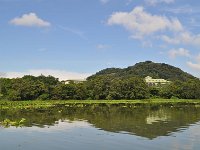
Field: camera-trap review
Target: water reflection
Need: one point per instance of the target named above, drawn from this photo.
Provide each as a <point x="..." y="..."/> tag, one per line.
<point x="144" y="122"/>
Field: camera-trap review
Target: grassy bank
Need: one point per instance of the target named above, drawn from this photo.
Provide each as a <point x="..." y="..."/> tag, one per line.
<point x="82" y="103"/>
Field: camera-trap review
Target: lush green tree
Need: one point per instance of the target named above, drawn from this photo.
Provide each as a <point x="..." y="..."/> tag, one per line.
<point x="14" y="95"/>
<point x="105" y="86"/>
<point x="115" y="91"/>
<point x="81" y="92"/>
<point x="190" y="89"/>
<point x="154" y="91"/>
<point x="5" y="86"/>
<point x="134" y="88"/>
<point x="99" y="87"/>
<point x="63" y="92"/>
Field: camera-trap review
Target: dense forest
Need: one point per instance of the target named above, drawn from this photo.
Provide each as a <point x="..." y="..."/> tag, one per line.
<point x="113" y="83"/>
<point x="147" y="68"/>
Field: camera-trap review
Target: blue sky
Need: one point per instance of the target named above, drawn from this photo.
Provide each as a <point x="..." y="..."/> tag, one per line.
<point x="75" y="38"/>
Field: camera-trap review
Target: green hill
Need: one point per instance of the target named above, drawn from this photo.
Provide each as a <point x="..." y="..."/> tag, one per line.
<point x="147" y="68"/>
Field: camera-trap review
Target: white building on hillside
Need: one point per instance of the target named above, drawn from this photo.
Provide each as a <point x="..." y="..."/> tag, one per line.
<point x="150" y="81"/>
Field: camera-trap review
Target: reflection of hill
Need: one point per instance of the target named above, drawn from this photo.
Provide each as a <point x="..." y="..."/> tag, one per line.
<point x="137" y="121"/>
<point x="144" y="122"/>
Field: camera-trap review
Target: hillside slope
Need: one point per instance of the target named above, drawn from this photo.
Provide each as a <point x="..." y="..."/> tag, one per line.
<point x="147" y="68"/>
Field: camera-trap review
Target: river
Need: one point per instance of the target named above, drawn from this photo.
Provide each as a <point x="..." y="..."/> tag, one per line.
<point x="107" y="127"/>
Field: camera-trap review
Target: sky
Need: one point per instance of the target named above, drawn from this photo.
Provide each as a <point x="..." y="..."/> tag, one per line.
<point x="72" y="39"/>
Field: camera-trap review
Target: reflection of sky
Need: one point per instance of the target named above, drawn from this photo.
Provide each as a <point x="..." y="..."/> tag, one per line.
<point x="82" y="135"/>
<point x="190" y="140"/>
<point x="58" y="126"/>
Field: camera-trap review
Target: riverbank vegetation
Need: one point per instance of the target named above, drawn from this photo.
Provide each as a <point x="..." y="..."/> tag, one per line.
<point x="104" y="87"/>
<point x="108" y="84"/>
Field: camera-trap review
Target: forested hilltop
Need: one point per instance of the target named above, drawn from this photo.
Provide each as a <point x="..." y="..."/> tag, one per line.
<point x="147" y="68"/>
<point x="113" y="83"/>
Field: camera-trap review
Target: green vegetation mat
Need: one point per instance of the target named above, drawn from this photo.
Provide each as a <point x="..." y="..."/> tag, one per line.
<point x="82" y="103"/>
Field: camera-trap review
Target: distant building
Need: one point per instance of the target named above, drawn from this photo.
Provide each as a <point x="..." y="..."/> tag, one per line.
<point x="151" y="82"/>
<point x="76" y="81"/>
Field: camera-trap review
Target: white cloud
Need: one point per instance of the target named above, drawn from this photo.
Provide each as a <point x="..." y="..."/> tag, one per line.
<point x="30" y="20"/>
<point x="155" y="2"/>
<point x="61" y="74"/>
<point x="198" y="58"/>
<point x="186" y="9"/>
<point x="2" y="74"/>
<point x="184" y="37"/>
<point x="195" y="65"/>
<point x="173" y="53"/>
<point x="104" y="1"/>
<point x="141" y="23"/>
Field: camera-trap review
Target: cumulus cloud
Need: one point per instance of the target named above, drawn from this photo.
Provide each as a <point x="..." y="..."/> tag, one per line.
<point x="173" y="53"/>
<point x="155" y="2"/>
<point x="196" y="64"/>
<point x="141" y="23"/>
<point x="193" y="64"/>
<point x="61" y="74"/>
<point x="30" y="20"/>
<point x="184" y="37"/>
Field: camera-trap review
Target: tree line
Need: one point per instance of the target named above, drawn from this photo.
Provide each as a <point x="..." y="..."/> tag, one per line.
<point x="98" y="88"/>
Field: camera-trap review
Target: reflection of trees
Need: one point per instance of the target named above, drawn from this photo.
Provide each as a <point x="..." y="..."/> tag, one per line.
<point x="145" y="122"/>
<point x="135" y="121"/>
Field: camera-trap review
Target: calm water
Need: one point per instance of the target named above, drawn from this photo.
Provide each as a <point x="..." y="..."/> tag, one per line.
<point x="102" y="128"/>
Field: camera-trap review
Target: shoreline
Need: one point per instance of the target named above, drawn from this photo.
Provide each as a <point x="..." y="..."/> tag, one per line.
<point x="38" y="104"/>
